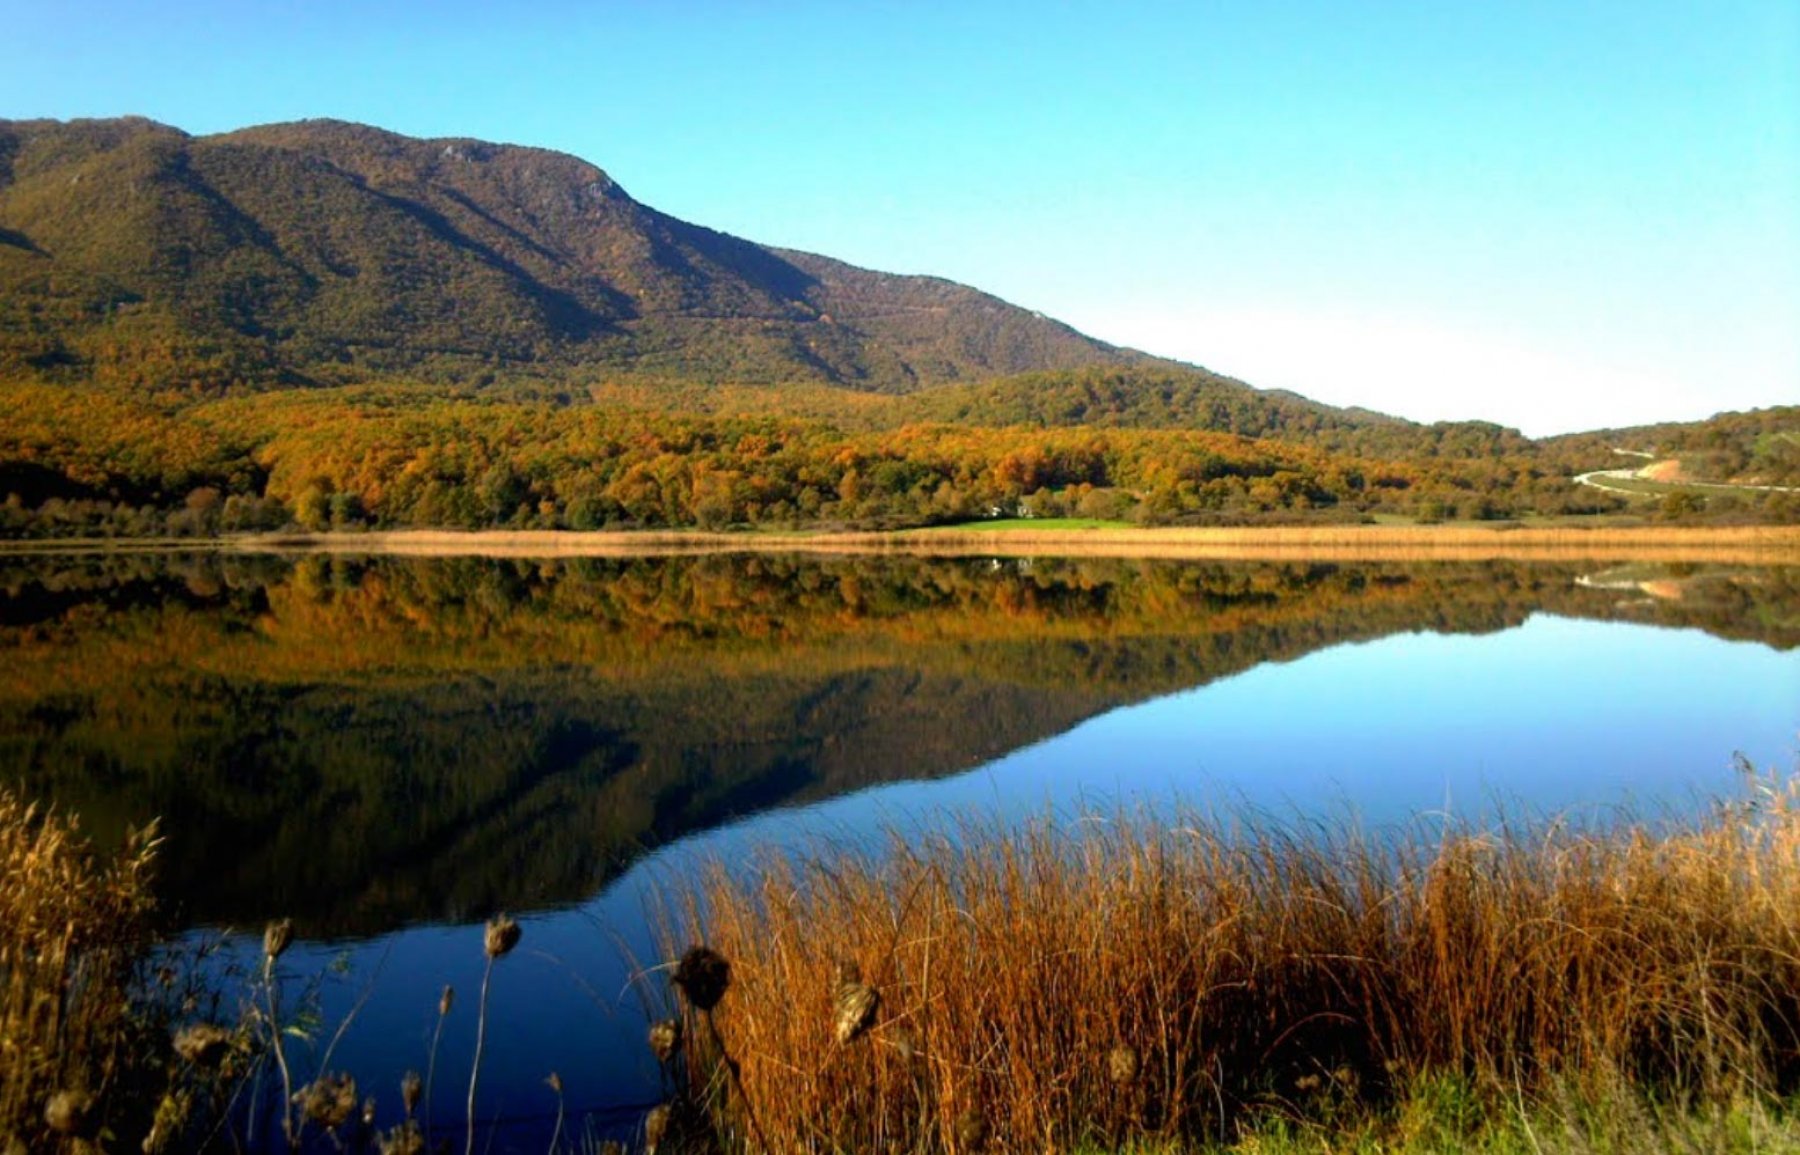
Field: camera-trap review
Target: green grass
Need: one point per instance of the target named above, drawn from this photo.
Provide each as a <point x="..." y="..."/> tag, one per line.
<point x="1028" y="524"/>
<point x="1451" y="1115"/>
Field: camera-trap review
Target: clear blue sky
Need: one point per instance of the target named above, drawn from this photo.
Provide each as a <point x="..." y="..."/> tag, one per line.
<point x="1556" y="215"/>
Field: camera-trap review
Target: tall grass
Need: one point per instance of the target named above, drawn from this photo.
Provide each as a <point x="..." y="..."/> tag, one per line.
<point x="1126" y="980"/>
<point x="1757" y="544"/>
<point x="73" y="930"/>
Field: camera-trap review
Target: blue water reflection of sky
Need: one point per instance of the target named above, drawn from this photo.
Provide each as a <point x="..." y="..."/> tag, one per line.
<point x="1555" y="716"/>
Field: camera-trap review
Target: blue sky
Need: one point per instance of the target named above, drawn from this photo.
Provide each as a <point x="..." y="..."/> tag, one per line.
<point x="1554" y="215"/>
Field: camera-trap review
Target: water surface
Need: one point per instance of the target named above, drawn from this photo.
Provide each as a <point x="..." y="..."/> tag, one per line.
<point x="390" y="750"/>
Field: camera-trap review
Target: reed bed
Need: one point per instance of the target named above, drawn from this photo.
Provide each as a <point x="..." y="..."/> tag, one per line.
<point x="73" y="930"/>
<point x="1106" y="983"/>
<point x="1749" y="545"/>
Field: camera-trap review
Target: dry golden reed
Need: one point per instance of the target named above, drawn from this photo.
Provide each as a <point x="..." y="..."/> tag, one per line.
<point x="1742" y="544"/>
<point x="73" y="926"/>
<point x="1110" y="979"/>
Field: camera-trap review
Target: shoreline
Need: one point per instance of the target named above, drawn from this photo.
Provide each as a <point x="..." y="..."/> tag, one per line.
<point x="1747" y="544"/>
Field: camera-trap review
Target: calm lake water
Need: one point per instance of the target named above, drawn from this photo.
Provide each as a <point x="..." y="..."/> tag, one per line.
<point x="390" y="750"/>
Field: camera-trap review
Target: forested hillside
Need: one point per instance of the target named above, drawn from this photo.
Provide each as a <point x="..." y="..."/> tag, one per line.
<point x="319" y="252"/>
<point x="328" y="326"/>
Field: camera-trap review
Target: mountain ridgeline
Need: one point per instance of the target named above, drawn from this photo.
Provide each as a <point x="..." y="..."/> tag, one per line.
<point x="330" y="326"/>
<point x="320" y="251"/>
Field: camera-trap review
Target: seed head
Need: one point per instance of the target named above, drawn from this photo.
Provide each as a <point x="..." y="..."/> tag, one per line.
<point x="554" y="1082"/>
<point x="656" y="1125"/>
<point x="702" y="975"/>
<point x="410" y="1089"/>
<point x="203" y="1044"/>
<point x="406" y="1139"/>
<point x="66" y="1112"/>
<point x="1122" y="1064"/>
<point x="329" y="1100"/>
<point x="502" y="935"/>
<point x="446" y="1000"/>
<point x="665" y="1039"/>
<point x="971" y="1130"/>
<point x="856" y="1005"/>
<point x="277" y="937"/>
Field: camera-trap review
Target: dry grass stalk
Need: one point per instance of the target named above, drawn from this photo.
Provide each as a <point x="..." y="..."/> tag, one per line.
<point x="73" y="926"/>
<point x="498" y="940"/>
<point x="446" y="1001"/>
<point x="1240" y="959"/>
<point x="656" y="1126"/>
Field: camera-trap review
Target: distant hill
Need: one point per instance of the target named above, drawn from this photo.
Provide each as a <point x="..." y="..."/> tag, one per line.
<point x="315" y="252"/>
<point x="1755" y="447"/>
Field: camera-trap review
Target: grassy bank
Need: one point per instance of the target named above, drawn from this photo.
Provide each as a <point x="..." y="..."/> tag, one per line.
<point x="1116" y="983"/>
<point x="1101" y="985"/>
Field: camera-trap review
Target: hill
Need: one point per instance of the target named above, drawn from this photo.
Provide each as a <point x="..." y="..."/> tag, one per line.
<point x="327" y="324"/>
<point x="318" y="252"/>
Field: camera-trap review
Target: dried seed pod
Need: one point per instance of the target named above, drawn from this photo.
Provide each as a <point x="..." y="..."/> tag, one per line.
<point x="67" y="1112"/>
<point x="411" y="1087"/>
<point x="329" y="1100"/>
<point x="702" y="975"/>
<point x="554" y="1082"/>
<point x="277" y="937"/>
<point x="665" y="1039"/>
<point x="656" y="1125"/>
<point x="971" y="1130"/>
<point x="856" y="1006"/>
<point x="203" y="1044"/>
<point x="1122" y="1065"/>
<point x="406" y="1139"/>
<point x="446" y="1000"/>
<point x="502" y="935"/>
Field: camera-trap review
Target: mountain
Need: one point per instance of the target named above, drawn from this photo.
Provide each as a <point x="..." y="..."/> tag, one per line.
<point x="316" y="252"/>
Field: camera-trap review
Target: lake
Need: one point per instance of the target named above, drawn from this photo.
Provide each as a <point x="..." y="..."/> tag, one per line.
<point x="390" y="750"/>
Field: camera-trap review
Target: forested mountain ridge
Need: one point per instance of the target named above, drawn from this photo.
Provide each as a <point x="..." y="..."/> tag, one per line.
<point x="327" y="325"/>
<point x="320" y="251"/>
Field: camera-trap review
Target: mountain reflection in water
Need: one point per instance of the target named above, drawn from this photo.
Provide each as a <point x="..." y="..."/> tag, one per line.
<point x="366" y="744"/>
